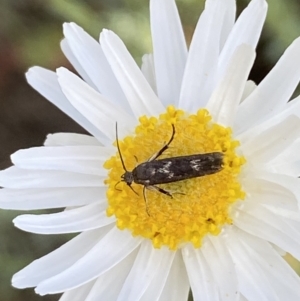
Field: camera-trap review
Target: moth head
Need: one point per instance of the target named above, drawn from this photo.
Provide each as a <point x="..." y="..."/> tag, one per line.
<point x="127" y="177"/>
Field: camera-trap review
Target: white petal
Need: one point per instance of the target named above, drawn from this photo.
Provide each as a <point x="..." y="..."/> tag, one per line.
<point x="14" y="177"/>
<point x="45" y="82"/>
<point x="252" y="281"/>
<point x="289" y="168"/>
<point x="273" y="92"/>
<point x="169" y="49"/>
<point x="287" y="162"/>
<point x="290" y="109"/>
<point x="44" y="198"/>
<point x="89" y="54"/>
<point x="277" y="221"/>
<point x="140" y="96"/>
<point x="286" y="214"/>
<point x="290" y="154"/>
<point x="67" y="51"/>
<point x="149" y="71"/>
<point x="159" y="280"/>
<point x="82" y="159"/>
<point x="264" y="192"/>
<point x="69" y="139"/>
<point x="229" y="19"/>
<point x="267" y="145"/>
<point x="150" y="265"/>
<point x="279" y="274"/>
<point x="109" y="285"/>
<point x="249" y="88"/>
<point x="263" y="224"/>
<point x="69" y="221"/>
<point x="201" y="279"/>
<point x="177" y="285"/>
<point x="224" y="101"/>
<point x="222" y="267"/>
<point x="78" y="294"/>
<point x="246" y="30"/>
<point x="201" y="67"/>
<point x="58" y="260"/>
<point x="291" y="184"/>
<point x="101" y="112"/>
<point x="108" y="252"/>
<point x="242" y="298"/>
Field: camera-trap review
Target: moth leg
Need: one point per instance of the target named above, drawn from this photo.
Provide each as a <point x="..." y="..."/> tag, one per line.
<point x="145" y="199"/>
<point x="160" y="152"/>
<point x="136" y="161"/>
<point x="158" y="189"/>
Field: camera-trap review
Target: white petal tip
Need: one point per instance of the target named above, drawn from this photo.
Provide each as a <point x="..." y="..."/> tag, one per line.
<point x="61" y="71"/>
<point x="40" y="292"/>
<point x="33" y="70"/>
<point x="18" y="281"/>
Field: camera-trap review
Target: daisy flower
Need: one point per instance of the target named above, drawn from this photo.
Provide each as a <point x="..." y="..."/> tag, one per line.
<point x="222" y="234"/>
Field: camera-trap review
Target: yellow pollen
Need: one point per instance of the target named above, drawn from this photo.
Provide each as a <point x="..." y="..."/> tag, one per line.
<point x="199" y="206"/>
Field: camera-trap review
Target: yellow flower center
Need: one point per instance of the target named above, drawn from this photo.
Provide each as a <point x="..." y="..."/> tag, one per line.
<point x="198" y="206"/>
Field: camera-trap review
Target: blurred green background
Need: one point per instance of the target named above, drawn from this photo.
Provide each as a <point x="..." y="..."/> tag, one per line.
<point x="30" y="32"/>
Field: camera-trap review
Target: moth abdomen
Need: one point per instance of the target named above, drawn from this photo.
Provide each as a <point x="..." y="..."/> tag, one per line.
<point x="176" y="169"/>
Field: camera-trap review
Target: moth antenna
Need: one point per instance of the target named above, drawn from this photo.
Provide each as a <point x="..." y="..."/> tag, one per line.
<point x="117" y="185"/>
<point x="119" y="147"/>
<point x="132" y="189"/>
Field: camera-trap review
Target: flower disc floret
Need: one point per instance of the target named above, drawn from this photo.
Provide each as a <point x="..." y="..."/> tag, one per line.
<point x="199" y="206"/>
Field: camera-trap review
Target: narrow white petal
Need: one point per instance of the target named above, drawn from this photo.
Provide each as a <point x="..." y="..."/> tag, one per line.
<point x="58" y="260"/>
<point x="268" y="193"/>
<point x="159" y="280"/>
<point x="78" y="294"/>
<point x="169" y="49"/>
<point x="45" y="82"/>
<point x="14" y="177"/>
<point x="89" y="54"/>
<point x="47" y="198"/>
<point x="249" y="88"/>
<point x="69" y="139"/>
<point x="279" y="274"/>
<point x="224" y="102"/>
<point x="273" y="92"/>
<point x="290" y="109"/>
<point x="246" y="30"/>
<point x="287" y="162"/>
<point x="268" y="228"/>
<point x="229" y="19"/>
<point x="279" y="222"/>
<point x="177" y="285"/>
<point x="267" y="145"/>
<point x="108" y="252"/>
<point x="291" y="184"/>
<point x="253" y="282"/>
<point x="150" y="265"/>
<point x="242" y="298"/>
<point x="94" y="106"/>
<point x="109" y="285"/>
<point x="286" y="214"/>
<point x="289" y="168"/>
<point x="80" y="219"/>
<point x="149" y="70"/>
<point x="290" y="154"/>
<point x="222" y="267"/>
<point x="140" y="96"/>
<point x="82" y="159"/>
<point x="201" y="67"/>
<point x="201" y="279"/>
<point x="67" y="51"/>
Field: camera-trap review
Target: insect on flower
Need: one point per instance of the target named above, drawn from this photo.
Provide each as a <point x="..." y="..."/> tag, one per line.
<point x="168" y="170"/>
